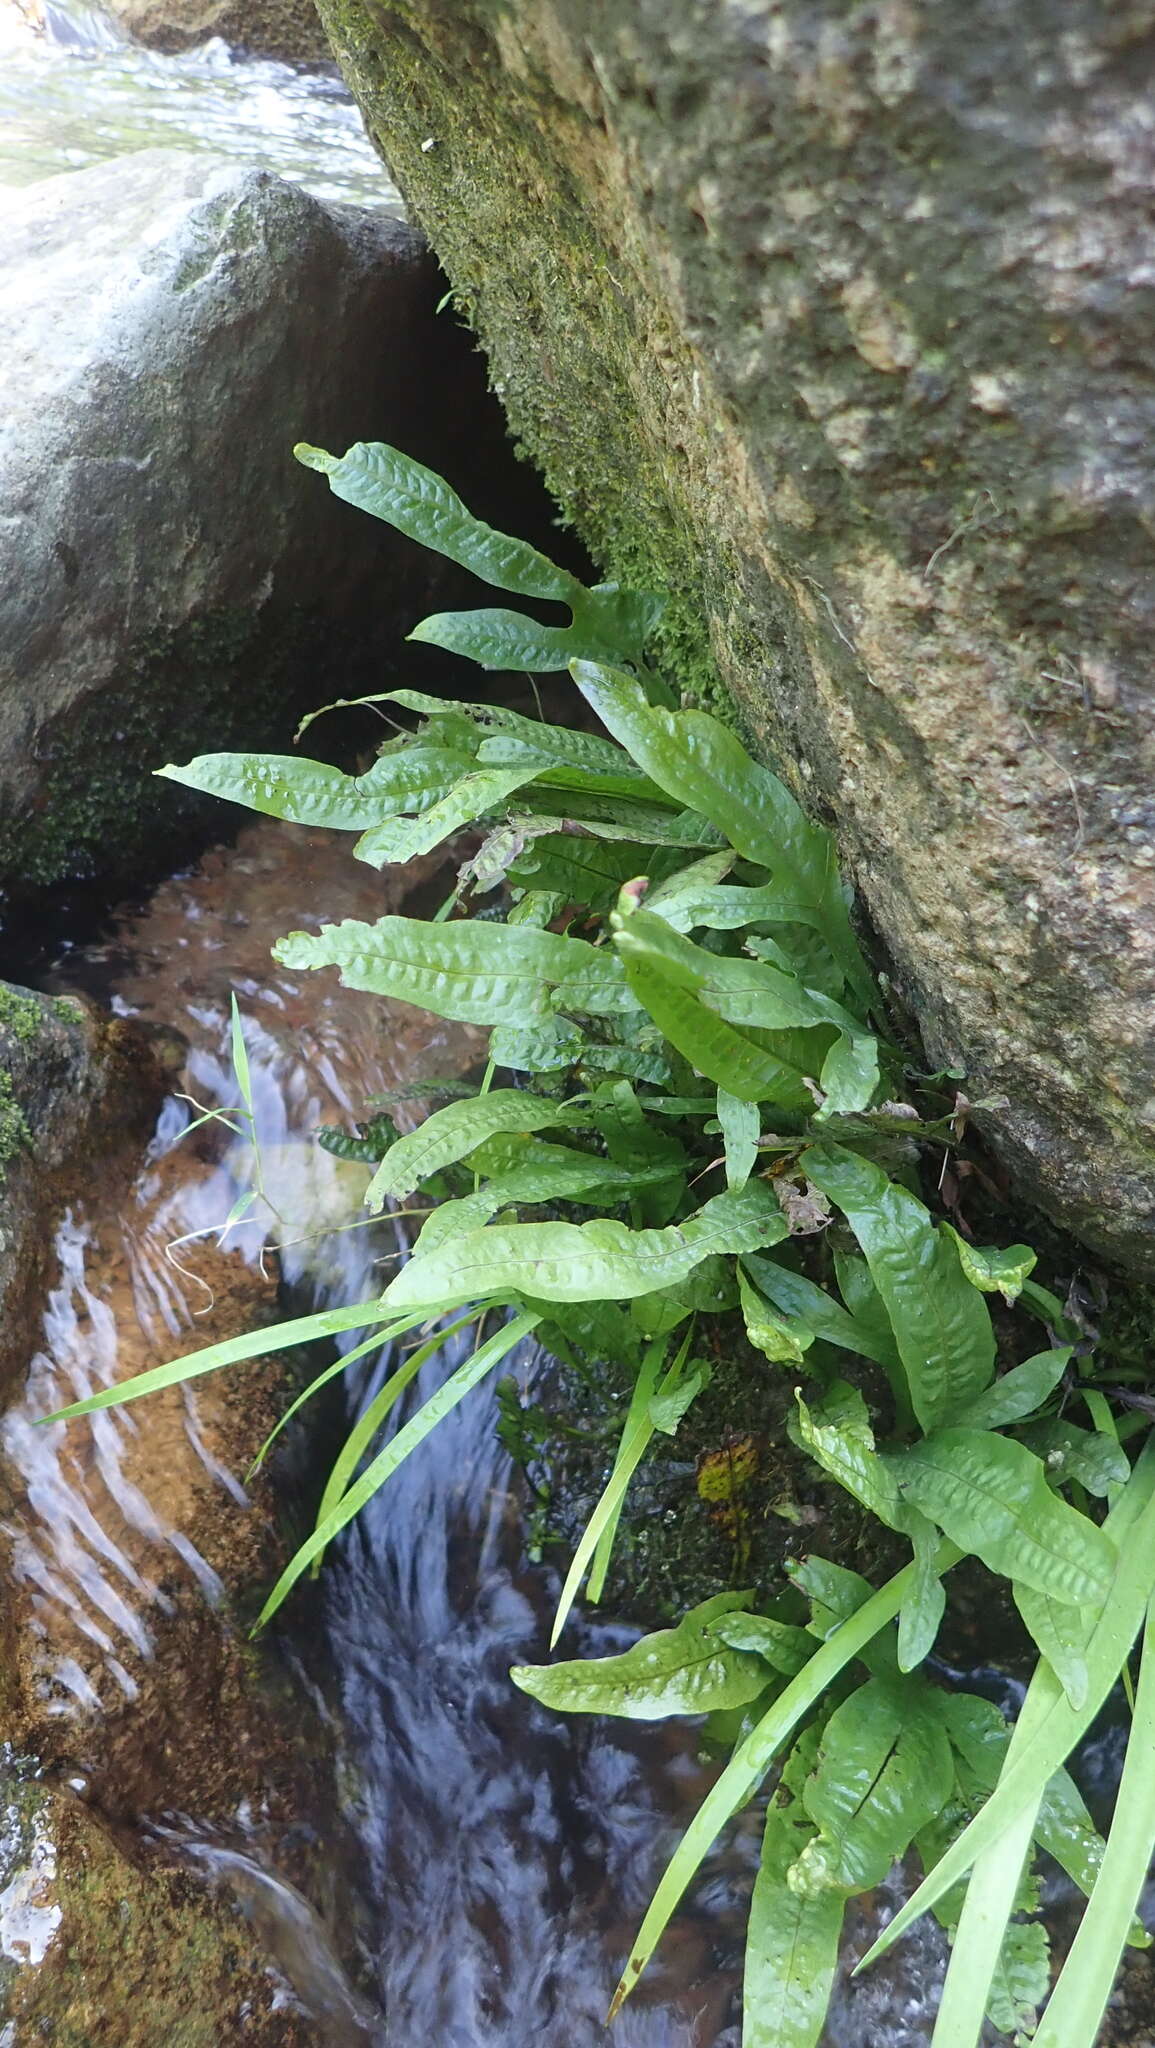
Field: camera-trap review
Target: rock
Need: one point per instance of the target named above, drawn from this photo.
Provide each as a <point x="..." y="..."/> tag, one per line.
<point x="67" y="1077"/>
<point x="837" y="323"/>
<point x="174" y="581"/>
<point x="289" y="29"/>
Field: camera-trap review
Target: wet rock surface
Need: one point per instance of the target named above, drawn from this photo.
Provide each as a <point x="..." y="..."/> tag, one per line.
<point x="836" y="323"/>
<point x="288" y="29"/>
<point x="169" y="325"/>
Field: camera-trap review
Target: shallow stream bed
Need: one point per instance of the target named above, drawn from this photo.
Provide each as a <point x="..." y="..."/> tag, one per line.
<point x="417" y="1851"/>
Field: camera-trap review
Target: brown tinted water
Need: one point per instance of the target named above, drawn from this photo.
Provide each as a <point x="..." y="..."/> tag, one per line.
<point x="419" y="1852"/>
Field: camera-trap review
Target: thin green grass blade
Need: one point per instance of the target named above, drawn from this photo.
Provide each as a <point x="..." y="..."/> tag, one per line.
<point x="328" y="1322"/>
<point x="752" y="1760"/>
<point x="1053" y="1726"/>
<point x="240" y="1053"/>
<point x="1077" y="2004"/>
<point x="988" y="1906"/>
<point x="347" y="1358"/>
<point x="644" y="1386"/>
<point x="630" y="1454"/>
<point x="438" y="1406"/>
<point x="366" y="1426"/>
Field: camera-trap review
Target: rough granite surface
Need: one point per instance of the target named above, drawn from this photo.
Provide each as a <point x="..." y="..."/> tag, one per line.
<point x="838" y="321"/>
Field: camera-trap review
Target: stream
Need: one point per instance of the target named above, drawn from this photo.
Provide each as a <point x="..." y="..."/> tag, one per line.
<point x="74" y="92"/>
<point x="474" y="1867"/>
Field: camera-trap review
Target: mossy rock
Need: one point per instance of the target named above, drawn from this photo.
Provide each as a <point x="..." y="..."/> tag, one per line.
<point x="830" y="322"/>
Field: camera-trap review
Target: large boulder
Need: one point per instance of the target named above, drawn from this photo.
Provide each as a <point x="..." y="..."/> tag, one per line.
<point x="173" y="580"/>
<point x="837" y="322"/>
<point x="289" y="29"/>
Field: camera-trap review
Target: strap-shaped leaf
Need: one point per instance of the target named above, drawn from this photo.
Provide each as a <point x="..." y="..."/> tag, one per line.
<point x="470" y="972"/>
<point x="1049" y="1727"/>
<point x="740" y="1129"/>
<point x="595" y="1261"/>
<point x="703" y="765"/>
<point x="884" y="1770"/>
<point x="689" y="1669"/>
<point x="1019" y="1392"/>
<point x="714" y="1048"/>
<point x="990" y="1496"/>
<point x="419" y="503"/>
<point x="792" y="1940"/>
<point x="311" y="793"/>
<point x="941" y="1323"/>
<point x="450" y="1133"/>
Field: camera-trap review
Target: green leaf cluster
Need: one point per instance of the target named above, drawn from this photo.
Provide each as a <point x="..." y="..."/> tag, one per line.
<point x="688" y="1042"/>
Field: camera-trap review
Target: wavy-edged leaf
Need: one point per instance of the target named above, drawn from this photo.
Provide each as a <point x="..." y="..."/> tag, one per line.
<point x="941" y="1323"/>
<point x="713" y="1047"/>
<point x="992" y="1270"/>
<point x="920" y="1616"/>
<point x="849" y="1075"/>
<point x="884" y="1770"/>
<point x="1059" y="1634"/>
<point x="791" y="1942"/>
<point x="419" y="503"/>
<point x="458" y="1129"/>
<point x="990" y="1496"/>
<point x="602" y="629"/>
<point x="541" y="1048"/>
<point x="1096" y="1460"/>
<point x="311" y="793"/>
<point x="838" y="1435"/>
<point x="703" y="765"/>
<point x="469" y="972"/>
<point x="752" y="1760"/>
<point x="684" y="1670"/>
<point x="1048" y="1727"/>
<point x="785" y="1647"/>
<point x="479" y="793"/>
<point x="602" y="1260"/>
<point x="583" y="869"/>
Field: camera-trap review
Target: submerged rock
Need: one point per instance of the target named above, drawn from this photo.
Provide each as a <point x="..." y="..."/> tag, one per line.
<point x="67" y="1077"/>
<point x="288" y="29"/>
<point x="174" y="582"/>
<point x="836" y="322"/>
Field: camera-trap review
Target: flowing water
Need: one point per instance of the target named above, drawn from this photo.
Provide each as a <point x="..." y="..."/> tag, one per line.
<point x="73" y="91"/>
<point x="476" y="1866"/>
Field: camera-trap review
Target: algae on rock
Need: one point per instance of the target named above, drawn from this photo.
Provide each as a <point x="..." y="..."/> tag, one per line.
<point x="837" y="324"/>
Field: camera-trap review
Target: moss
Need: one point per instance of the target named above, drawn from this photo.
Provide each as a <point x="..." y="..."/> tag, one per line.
<point x="228" y="680"/>
<point x="15" y="1135"/>
<point x="20" y="1015"/>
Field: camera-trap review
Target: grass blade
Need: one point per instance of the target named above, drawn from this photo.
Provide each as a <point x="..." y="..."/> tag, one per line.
<point x="329" y="1322"/>
<point x="978" y="1942"/>
<point x="752" y="1760"/>
<point x="395" y="1453"/>
<point x="1050" y="1727"/>
<point x="1077" y="2004"/>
